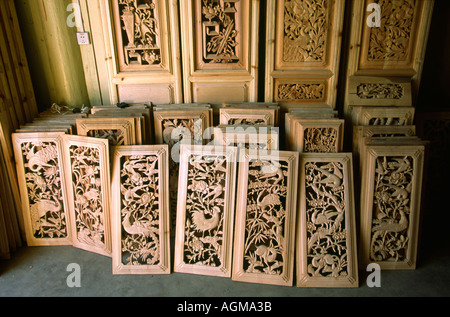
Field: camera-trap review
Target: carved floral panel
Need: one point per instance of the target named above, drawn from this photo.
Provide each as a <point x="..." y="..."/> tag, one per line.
<point x="265" y="219"/>
<point x="327" y="237"/>
<point x="380" y="91"/>
<point x="114" y="136"/>
<point x="42" y="188"/>
<point x="205" y="210"/>
<point x="391" y="41"/>
<point x="141" y="211"/>
<point x="87" y="172"/>
<point x="220" y="29"/>
<point x="300" y="91"/>
<point x="306" y="26"/>
<point x="325" y="140"/>
<point x="139" y="31"/>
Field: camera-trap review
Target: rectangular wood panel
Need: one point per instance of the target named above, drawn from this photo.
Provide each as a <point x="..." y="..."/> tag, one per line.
<point x="87" y="172"/>
<point x="303" y="51"/>
<point x="140" y="213"/>
<point x="265" y="218"/>
<point x="326" y="243"/>
<point x="205" y="213"/>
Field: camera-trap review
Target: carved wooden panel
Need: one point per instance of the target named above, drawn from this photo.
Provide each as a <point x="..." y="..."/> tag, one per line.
<point x="119" y="131"/>
<point x="205" y="213"/>
<point x="247" y="137"/>
<point x="178" y="126"/>
<point x="383" y="115"/>
<point x="140" y="214"/>
<point x="317" y="135"/>
<point x="303" y="51"/>
<point x="87" y="173"/>
<point x="220" y="49"/>
<point x="40" y="166"/>
<point x="394" y="48"/>
<point x="390" y="204"/>
<point x="326" y="243"/>
<point x="258" y="115"/>
<point x="265" y="218"/>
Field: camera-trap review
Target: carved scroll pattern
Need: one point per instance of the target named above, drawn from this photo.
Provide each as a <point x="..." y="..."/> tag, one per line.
<point x="140" y="32"/>
<point x="391" y="209"/>
<point x="324" y="140"/>
<point x="325" y="215"/>
<point x="305" y="31"/>
<point x="247" y="121"/>
<point x="43" y="181"/>
<point x="205" y="202"/>
<point x="391" y="41"/>
<point x="380" y="91"/>
<point x="264" y="246"/>
<point x="220" y="34"/>
<point x="388" y="121"/>
<point x="86" y="184"/>
<point x="115" y="137"/>
<point x="140" y="210"/>
<point x="312" y="91"/>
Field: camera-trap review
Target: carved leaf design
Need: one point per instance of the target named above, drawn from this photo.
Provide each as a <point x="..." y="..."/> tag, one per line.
<point x="323" y="140"/>
<point x="380" y="91"/>
<point x="307" y="91"/>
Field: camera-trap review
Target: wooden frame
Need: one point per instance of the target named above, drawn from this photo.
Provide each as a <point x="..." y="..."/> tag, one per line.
<point x="125" y="126"/>
<point x="40" y="166"/>
<point x="248" y="116"/>
<point x="220" y="69"/>
<point x="205" y="213"/>
<point x="87" y="172"/>
<point x="383" y="115"/>
<point x="307" y="133"/>
<point x="326" y="231"/>
<point x="391" y="203"/>
<point x="249" y="137"/>
<point x="302" y="70"/>
<point x="140" y="231"/>
<point x="269" y="260"/>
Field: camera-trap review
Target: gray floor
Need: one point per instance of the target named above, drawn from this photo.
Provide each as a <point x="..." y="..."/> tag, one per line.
<point x="42" y="271"/>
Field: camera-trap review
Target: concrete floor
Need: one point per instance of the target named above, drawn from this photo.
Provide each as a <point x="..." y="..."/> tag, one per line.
<point x="42" y="272"/>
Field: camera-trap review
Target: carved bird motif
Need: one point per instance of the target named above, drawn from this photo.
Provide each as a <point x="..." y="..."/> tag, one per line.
<point x="216" y="192"/>
<point x="40" y="209"/>
<point x="137" y="227"/>
<point x="332" y="179"/>
<point x="201" y="223"/>
<point x="390" y="225"/>
<point x="270" y="199"/>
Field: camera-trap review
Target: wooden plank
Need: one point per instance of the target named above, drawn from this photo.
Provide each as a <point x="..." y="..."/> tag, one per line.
<point x="264" y="236"/>
<point x="326" y="240"/>
<point x="140" y="210"/>
<point x="205" y="213"/>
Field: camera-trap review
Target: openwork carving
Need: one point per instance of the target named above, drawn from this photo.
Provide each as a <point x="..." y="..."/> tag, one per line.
<point x="265" y="219"/>
<point x="305" y="30"/>
<point x="140" y="32"/>
<point x="391" y="41"/>
<point x="325" y="140"/>
<point x="117" y="130"/>
<point x="88" y="185"/>
<point x="205" y="210"/>
<point x="42" y="188"/>
<point x="390" y="203"/>
<point x="380" y="91"/>
<point x="220" y="34"/>
<point x="327" y="234"/>
<point x="317" y="135"/>
<point x="141" y="210"/>
<point x="298" y="91"/>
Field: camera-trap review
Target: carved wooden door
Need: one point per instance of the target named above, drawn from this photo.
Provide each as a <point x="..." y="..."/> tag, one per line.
<point x="136" y="51"/>
<point x="302" y="53"/>
<point x="219" y="50"/>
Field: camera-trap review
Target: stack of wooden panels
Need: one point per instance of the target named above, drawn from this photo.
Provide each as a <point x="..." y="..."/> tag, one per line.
<point x="49" y="122"/>
<point x="314" y="130"/>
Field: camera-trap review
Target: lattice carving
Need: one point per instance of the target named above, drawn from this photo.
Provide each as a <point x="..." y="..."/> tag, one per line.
<point x="220" y="31"/>
<point x="391" y="41"/>
<point x="142" y="240"/>
<point x="264" y="220"/>
<point x="301" y="91"/>
<point x="380" y="91"/>
<point x="140" y="32"/>
<point x="305" y="31"/>
<point x="205" y="210"/>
